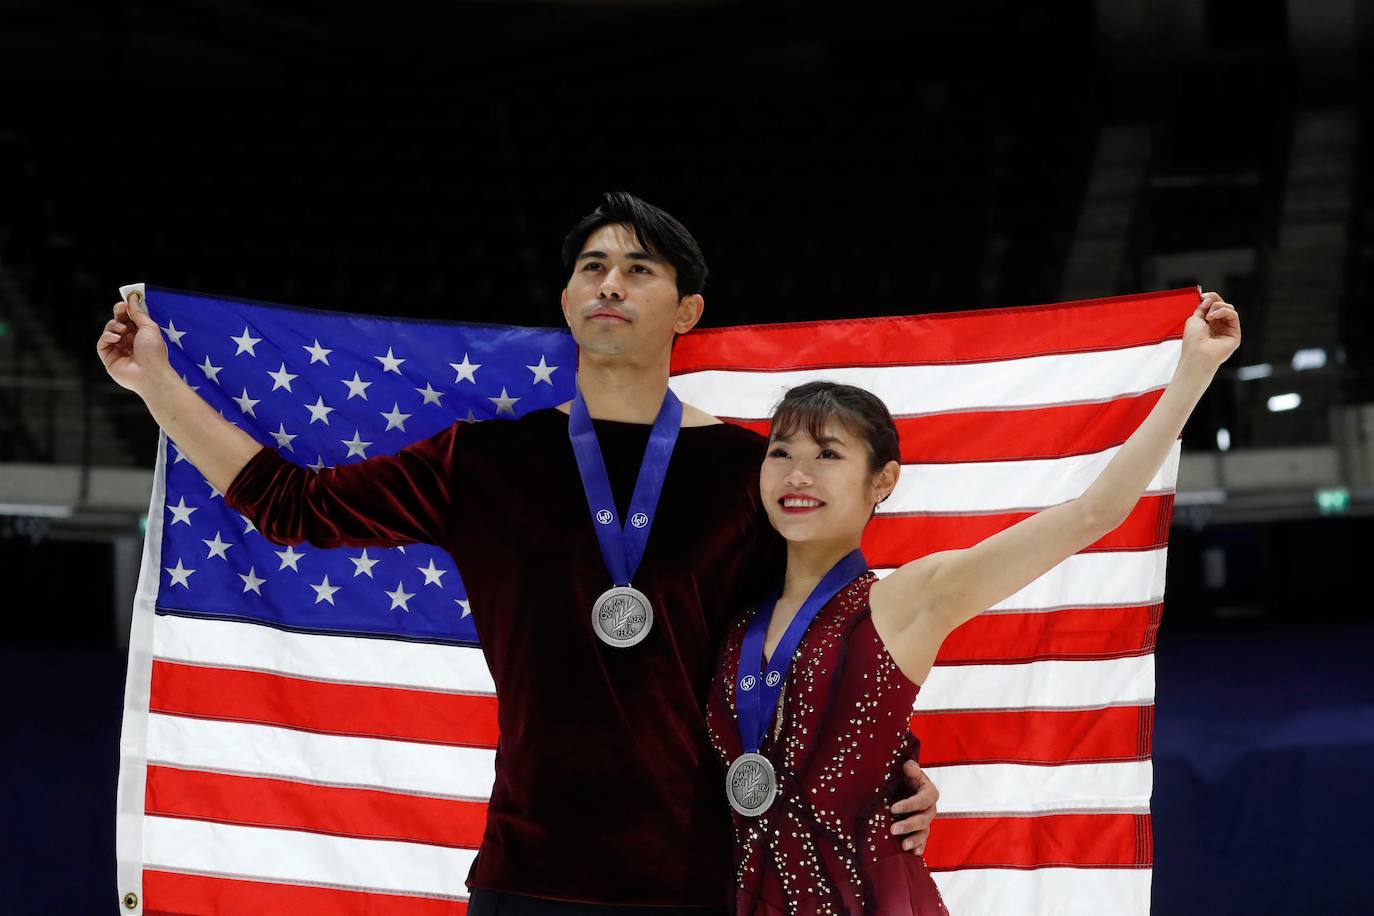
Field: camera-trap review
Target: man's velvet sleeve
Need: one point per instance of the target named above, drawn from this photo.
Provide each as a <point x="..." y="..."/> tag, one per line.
<point x="384" y="501"/>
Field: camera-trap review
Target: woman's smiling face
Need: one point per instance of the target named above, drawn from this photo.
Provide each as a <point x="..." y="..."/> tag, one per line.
<point x="821" y="490"/>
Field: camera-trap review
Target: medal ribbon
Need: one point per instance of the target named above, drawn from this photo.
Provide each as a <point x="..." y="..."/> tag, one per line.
<point x="756" y="693"/>
<point x="622" y="545"/>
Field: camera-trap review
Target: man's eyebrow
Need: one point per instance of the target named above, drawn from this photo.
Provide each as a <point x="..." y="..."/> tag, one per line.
<point x="632" y="255"/>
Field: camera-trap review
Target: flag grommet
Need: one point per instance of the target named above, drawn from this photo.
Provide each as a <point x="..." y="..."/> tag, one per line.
<point x="131" y="901"/>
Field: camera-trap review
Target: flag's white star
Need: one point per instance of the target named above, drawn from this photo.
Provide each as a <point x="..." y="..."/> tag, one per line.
<point x="430" y="395"/>
<point x="211" y="372"/>
<point x="396" y="419"/>
<point x="432" y="573"/>
<point x="318" y="354"/>
<point x="289" y="557"/>
<point x="543" y="372"/>
<point x="471" y="417"/>
<point x="179" y="455"/>
<point x="281" y="378"/>
<point x="283" y="437"/>
<point x="246" y="342"/>
<point x="357" y="388"/>
<point x="318" y="465"/>
<point x="246" y="403"/>
<point x="356" y="446"/>
<point x="504" y="404"/>
<point x="173" y="334"/>
<point x="401" y="549"/>
<point x="319" y="410"/>
<point x="362" y="566"/>
<point x="184" y="379"/>
<point x="249" y="526"/>
<point x="179" y="574"/>
<point x="465" y="605"/>
<point x="389" y="362"/>
<point x="213" y="491"/>
<point x="399" y="598"/>
<point x="324" y="591"/>
<point x="181" y="512"/>
<point x="217" y="547"/>
<point x="466" y="370"/>
<point x="251" y="581"/>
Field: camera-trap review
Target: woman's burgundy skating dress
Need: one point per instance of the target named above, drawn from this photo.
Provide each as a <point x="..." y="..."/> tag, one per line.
<point x="837" y="743"/>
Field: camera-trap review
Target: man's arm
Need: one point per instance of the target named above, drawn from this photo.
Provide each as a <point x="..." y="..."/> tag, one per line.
<point x="920" y="806"/>
<point x="135" y="356"/>
<point x="386" y="500"/>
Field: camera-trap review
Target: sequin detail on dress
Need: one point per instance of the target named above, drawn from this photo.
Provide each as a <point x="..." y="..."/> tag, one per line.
<point x="838" y="742"/>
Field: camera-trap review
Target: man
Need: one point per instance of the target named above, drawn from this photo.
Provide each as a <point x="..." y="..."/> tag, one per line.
<point x="605" y="797"/>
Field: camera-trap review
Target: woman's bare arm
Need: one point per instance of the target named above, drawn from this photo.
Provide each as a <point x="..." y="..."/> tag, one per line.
<point x="919" y="604"/>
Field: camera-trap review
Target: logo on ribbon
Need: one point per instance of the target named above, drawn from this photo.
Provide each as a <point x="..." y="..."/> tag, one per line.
<point x="605" y="516"/>
<point x="773" y="678"/>
<point x="747" y="682"/>
<point x="639" y="520"/>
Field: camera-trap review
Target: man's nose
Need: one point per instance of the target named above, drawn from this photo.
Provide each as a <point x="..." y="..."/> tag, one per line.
<point x="611" y="287"/>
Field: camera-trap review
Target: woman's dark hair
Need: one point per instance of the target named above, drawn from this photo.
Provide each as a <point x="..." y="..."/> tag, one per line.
<point x="658" y="232"/>
<point x="808" y="407"/>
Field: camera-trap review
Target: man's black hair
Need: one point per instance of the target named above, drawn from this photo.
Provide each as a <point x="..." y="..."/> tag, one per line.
<point x="659" y="233"/>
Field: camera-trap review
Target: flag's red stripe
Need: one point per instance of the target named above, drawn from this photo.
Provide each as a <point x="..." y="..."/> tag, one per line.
<point x="891" y="540"/>
<point x="1045" y="841"/>
<point x="1073" y="633"/>
<point x="337" y="709"/>
<point x="1034" y="736"/>
<point x="259" y="801"/>
<point x="1014" y="435"/>
<point x="168" y="893"/>
<point x="946" y="337"/>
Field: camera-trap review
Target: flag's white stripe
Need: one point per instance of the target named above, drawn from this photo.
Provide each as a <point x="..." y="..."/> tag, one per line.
<point x="1046" y="891"/>
<point x="467" y="773"/>
<point x="1040" y="685"/>
<point x="1007" y="788"/>
<point x="1010" y="486"/>
<point x="1027" y="382"/>
<point x="1107" y="579"/>
<point x="309" y="858"/>
<point x="407" y="766"/>
<point x="350" y="659"/>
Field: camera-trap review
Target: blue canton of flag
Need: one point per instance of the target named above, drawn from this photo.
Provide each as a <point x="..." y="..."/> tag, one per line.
<point x="325" y="389"/>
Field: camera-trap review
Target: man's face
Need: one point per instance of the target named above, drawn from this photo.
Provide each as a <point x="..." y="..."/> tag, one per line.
<point x="622" y="301"/>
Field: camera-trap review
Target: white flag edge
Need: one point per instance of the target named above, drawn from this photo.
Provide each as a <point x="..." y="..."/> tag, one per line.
<point x="133" y="735"/>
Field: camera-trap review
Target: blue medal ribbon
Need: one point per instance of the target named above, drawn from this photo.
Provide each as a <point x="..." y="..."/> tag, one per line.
<point x="622" y="546"/>
<point x="756" y="693"/>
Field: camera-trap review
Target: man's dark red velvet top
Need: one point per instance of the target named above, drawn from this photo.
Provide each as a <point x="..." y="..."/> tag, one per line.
<point x="606" y="789"/>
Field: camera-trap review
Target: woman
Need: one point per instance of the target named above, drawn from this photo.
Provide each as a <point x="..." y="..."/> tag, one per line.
<point x="813" y="691"/>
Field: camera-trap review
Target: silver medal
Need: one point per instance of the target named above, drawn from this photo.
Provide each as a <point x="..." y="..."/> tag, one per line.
<point x="622" y="616"/>
<point x="750" y="784"/>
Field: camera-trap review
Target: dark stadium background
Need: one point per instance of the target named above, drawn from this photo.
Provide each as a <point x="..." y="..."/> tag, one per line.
<point x="425" y="159"/>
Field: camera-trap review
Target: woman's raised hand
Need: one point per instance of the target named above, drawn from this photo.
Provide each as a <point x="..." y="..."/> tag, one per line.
<point x="1212" y="333"/>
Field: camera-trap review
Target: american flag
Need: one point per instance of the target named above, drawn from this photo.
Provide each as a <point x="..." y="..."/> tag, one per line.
<point x="314" y="730"/>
